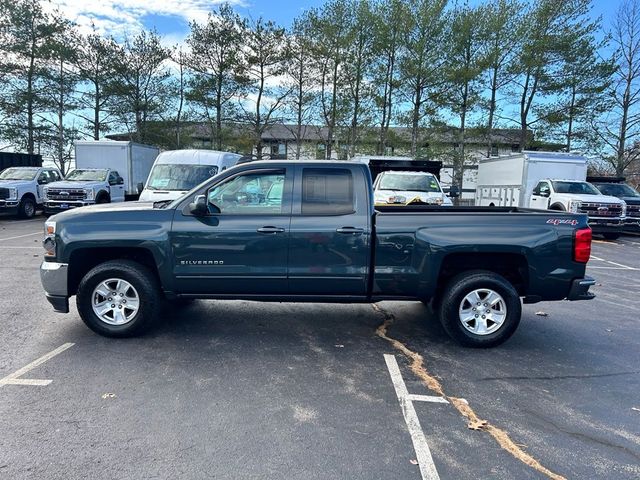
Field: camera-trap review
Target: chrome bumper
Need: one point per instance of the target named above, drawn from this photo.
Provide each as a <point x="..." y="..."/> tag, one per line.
<point x="53" y="276"/>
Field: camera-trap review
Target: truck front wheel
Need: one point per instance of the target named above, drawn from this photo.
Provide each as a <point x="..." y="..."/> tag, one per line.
<point x="119" y="298"/>
<point x="480" y="309"/>
<point x="27" y="207"/>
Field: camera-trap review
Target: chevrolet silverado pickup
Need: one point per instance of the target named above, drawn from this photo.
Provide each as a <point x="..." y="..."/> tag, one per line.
<point x="309" y="231"/>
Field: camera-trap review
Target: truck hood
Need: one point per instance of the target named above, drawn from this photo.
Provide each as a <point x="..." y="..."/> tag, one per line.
<point x="410" y="195"/>
<point x="631" y="200"/>
<point x="15" y="183"/>
<point x="72" y="184"/>
<point x="590" y="198"/>
<point x="91" y="210"/>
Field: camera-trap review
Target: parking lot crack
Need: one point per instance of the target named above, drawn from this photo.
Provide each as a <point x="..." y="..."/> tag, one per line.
<point x="432" y="383"/>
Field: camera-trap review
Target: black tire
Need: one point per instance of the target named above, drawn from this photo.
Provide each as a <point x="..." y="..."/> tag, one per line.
<point x="452" y="300"/>
<point x="27" y="208"/>
<point x="142" y="280"/>
<point x="611" y="236"/>
<point x="103" y="198"/>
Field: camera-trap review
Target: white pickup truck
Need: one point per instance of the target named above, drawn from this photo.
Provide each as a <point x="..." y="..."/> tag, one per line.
<point x="607" y="214"/>
<point x="21" y="189"/>
<point x="84" y="186"/>
<point x="396" y="187"/>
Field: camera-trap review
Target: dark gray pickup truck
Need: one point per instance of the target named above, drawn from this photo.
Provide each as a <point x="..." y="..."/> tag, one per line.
<point x="309" y="231"/>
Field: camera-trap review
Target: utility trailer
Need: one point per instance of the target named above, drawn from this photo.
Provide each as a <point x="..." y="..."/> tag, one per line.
<point x="508" y="181"/>
<point x="11" y="159"/>
<point x="133" y="161"/>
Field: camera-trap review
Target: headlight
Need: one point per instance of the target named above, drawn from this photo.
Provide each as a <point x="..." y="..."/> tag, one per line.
<point x="13" y="193"/>
<point x="439" y="201"/>
<point x="49" y="242"/>
<point x="88" y="193"/>
<point x="45" y="191"/>
<point x="397" y="199"/>
<point x="574" y="206"/>
<point x="379" y="199"/>
<point x="624" y="209"/>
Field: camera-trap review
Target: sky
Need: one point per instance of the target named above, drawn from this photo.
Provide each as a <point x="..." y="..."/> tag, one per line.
<point x="171" y="17"/>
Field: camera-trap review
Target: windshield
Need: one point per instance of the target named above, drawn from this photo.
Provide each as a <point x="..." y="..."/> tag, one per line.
<point x="179" y="177"/>
<point x="87" y="175"/>
<point x="617" y="190"/>
<point x="577" y="188"/>
<point x="18" y="174"/>
<point x="414" y="183"/>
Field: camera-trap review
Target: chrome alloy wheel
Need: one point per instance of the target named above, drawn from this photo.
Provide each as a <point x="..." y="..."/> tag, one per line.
<point x="115" y="301"/>
<point x="482" y="311"/>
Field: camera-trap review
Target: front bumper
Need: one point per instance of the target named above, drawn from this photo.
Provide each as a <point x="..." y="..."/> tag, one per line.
<point x="605" y="225"/>
<point x="60" y="206"/>
<point x="9" y="206"/>
<point x="53" y="276"/>
<point x="580" y="289"/>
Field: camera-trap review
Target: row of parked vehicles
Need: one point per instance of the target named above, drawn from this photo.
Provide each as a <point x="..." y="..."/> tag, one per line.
<point x="540" y="180"/>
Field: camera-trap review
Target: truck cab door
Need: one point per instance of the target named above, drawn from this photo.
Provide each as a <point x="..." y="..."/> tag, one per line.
<point x="540" y="196"/>
<point x="240" y="246"/>
<point x="330" y="245"/>
<point x="116" y="185"/>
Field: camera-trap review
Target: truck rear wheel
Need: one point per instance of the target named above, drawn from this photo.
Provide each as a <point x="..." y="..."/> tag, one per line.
<point x="119" y="298"/>
<point x="480" y="309"/>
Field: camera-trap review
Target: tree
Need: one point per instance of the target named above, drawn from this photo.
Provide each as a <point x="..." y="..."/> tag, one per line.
<point x="216" y="59"/>
<point x="466" y="61"/>
<point x="548" y="29"/>
<point x="501" y="22"/>
<point x="423" y="61"/>
<point x="27" y="32"/>
<point x="300" y="82"/>
<point x="265" y="57"/>
<point x="388" y="49"/>
<point x="329" y="29"/>
<point x="94" y="61"/>
<point x="58" y="96"/>
<point x="141" y="88"/>
<point x="617" y="130"/>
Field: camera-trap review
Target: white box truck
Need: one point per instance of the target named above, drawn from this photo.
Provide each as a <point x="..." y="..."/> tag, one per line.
<point x="548" y="181"/>
<point x="133" y="161"/>
<point x="508" y="181"/>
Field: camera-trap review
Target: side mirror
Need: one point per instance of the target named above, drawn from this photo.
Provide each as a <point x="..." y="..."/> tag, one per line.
<point x="454" y="191"/>
<point x="545" y="193"/>
<point x="199" y="206"/>
<point x="120" y="181"/>
<point x="140" y="187"/>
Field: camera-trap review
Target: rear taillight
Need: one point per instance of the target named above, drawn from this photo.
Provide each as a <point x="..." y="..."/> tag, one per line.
<point x="582" y="245"/>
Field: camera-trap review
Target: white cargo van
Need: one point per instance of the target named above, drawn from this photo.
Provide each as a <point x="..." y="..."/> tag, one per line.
<point x="176" y="172"/>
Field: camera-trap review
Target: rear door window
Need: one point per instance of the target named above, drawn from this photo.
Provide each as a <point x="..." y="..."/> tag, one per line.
<point x="327" y="191"/>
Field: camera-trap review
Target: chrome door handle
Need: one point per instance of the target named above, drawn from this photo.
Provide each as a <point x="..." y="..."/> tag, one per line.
<point x="350" y="230"/>
<point x="270" y="229"/>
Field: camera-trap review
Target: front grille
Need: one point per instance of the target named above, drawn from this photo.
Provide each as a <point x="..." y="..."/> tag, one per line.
<point x="633" y="211"/>
<point x="602" y="209"/>
<point x="62" y="194"/>
<point x="4" y="193"/>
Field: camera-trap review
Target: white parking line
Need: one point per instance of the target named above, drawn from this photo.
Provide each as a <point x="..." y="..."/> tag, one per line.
<point x="21" y="236"/>
<point x="13" y="379"/>
<point x="625" y="267"/>
<point x="420" y="445"/>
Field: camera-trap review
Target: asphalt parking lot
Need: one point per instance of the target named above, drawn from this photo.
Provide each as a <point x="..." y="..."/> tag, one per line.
<point x="304" y="391"/>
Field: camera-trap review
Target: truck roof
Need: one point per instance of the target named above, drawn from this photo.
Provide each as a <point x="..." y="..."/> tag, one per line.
<point x="193" y="156"/>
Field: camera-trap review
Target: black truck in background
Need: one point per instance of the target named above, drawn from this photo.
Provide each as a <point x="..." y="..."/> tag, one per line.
<point x="617" y="187"/>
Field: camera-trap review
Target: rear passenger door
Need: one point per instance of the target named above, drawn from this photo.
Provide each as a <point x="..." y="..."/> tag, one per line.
<point x="329" y="246"/>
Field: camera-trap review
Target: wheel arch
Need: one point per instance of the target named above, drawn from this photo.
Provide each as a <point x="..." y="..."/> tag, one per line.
<point x="82" y="260"/>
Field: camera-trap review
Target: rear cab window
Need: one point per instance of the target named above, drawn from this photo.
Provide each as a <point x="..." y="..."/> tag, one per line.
<point x="327" y="191"/>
